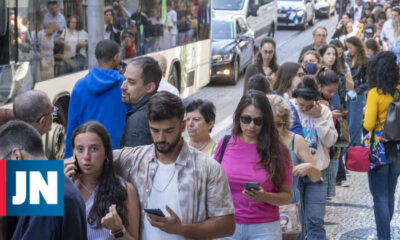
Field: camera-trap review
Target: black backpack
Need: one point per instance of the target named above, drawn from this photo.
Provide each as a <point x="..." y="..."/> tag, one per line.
<point x="391" y="130"/>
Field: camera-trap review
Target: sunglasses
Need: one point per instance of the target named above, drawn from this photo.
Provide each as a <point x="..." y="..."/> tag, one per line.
<point x="279" y="124"/>
<point x="258" y="121"/>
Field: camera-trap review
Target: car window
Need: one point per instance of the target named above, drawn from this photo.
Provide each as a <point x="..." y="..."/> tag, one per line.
<point x="222" y="30"/>
<point x="227" y="4"/>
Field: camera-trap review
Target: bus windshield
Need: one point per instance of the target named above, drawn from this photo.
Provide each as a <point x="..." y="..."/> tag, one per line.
<point x="227" y="4"/>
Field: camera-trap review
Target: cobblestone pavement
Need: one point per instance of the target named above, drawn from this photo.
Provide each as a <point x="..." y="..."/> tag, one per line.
<point x="350" y="215"/>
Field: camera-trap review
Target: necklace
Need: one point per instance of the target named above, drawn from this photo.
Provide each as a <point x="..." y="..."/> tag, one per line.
<point x="158" y="190"/>
<point x="86" y="188"/>
<point x="202" y="147"/>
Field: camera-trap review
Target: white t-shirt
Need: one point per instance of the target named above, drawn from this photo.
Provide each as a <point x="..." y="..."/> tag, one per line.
<point x="357" y="12"/>
<point x="172" y="19"/>
<point x="72" y="40"/>
<point x="163" y="192"/>
<point x="166" y="86"/>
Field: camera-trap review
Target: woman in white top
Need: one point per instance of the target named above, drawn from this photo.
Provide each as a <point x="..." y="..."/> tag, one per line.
<point x="74" y="41"/>
<point x="112" y="206"/>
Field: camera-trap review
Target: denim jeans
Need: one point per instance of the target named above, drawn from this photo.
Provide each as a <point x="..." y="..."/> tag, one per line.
<point x="262" y="231"/>
<point x="331" y="176"/>
<point x="354" y="117"/>
<point x="382" y="184"/>
<point x="312" y="208"/>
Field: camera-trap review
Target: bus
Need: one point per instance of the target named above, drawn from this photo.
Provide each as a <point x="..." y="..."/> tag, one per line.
<point x="49" y="45"/>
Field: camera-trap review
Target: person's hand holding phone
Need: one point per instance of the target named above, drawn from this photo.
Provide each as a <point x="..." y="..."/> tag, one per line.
<point x="171" y="224"/>
<point x="71" y="168"/>
<point x="256" y="195"/>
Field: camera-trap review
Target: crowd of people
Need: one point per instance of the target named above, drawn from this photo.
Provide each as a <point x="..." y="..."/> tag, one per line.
<point x="130" y="173"/>
<point x="55" y="38"/>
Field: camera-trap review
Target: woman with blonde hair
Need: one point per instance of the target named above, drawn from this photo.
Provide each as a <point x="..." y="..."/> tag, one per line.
<point x="395" y="47"/>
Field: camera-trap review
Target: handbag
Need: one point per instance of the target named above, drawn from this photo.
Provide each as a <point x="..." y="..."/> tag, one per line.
<point x="343" y="133"/>
<point x="290" y="221"/>
<point x="357" y="157"/>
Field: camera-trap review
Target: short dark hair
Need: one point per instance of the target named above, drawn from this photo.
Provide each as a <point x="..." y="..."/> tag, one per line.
<point x="105" y="50"/>
<point x="30" y="105"/>
<point x="165" y="105"/>
<point x="51" y="3"/>
<point x="206" y="109"/>
<point x="259" y="82"/>
<point x="396" y="9"/>
<point x="373" y="45"/>
<point x="18" y="134"/>
<point x="151" y="71"/>
<point x="382" y="15"/>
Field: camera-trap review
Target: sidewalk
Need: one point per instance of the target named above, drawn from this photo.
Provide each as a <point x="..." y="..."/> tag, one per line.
<point x="350" y="215"/>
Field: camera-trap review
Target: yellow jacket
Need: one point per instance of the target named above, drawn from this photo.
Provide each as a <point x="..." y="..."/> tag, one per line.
<point x="377" y="105"/>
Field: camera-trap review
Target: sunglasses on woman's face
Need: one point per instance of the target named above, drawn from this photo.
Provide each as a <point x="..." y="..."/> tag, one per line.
<point x="247" y="120"/>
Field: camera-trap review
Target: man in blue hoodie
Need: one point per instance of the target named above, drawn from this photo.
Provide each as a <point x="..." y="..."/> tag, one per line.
<point x="97" y="96"/>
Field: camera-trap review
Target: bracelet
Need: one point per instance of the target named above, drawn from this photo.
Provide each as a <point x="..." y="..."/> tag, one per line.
<point x="119" y="234"/>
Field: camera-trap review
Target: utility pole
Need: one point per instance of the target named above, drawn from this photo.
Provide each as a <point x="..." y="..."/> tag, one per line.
<point x="95" y="19"/>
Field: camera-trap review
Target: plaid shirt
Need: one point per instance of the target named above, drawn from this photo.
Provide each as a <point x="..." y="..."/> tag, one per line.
<point x="202" y="184"/>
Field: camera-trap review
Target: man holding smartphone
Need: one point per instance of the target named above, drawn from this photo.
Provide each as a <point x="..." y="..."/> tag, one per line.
<point x="174" y="179"/>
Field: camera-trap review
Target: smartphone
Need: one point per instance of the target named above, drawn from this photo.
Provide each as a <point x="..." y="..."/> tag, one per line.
<point x="154" y="211"/>
<point x="78" y="169"/>
<point x="252" y="185"/>
<point x="385" y="39"/>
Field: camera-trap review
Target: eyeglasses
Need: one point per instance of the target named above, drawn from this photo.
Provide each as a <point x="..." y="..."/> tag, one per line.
<point x="5" y="157"/>
<point x="54" y="112"/>
<point x="270" y="52"/>
<point x="247" y="120"/>
<point x="279" y="124"/>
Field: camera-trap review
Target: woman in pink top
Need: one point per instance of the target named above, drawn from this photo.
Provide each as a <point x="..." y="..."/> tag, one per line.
<point x="255" y="154"/>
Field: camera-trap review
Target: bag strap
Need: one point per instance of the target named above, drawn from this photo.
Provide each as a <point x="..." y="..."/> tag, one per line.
<point x="224" y="144"/>
<point x="354" y="139"/>
<point x="292" y="142"/>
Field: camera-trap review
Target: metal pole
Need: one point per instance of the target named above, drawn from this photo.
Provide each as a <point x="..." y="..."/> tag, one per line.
<point x="340" y="9"/>
<point x="95" y="20"/>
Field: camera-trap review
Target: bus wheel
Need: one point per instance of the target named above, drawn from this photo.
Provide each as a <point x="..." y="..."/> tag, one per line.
<point x="173" y="78"/>
<point x="55" y="139"/>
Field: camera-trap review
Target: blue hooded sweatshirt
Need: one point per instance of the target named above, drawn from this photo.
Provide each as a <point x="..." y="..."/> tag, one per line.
<point x="97" y="97"/>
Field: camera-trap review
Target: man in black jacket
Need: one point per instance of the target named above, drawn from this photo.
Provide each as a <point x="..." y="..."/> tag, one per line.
<point x="142" y="78"/>
<point x="319" y="39"/>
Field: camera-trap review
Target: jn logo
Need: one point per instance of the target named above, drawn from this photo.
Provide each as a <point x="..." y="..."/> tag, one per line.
<point x="32" y="188"/>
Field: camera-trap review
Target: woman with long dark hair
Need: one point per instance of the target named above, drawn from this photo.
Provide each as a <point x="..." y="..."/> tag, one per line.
<point x="111" y="203"/>
<point x="320" y="134"/>
<point x="255" y="154"/>
<point x="288" y="76"/>
<point x="265" y="62"/>
<point x="357" y="61"/>
<point x="383" y="79"/>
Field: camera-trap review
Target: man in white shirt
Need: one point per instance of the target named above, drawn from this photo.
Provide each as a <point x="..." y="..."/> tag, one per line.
<point x="164" y="84"/>
<point x="387" y="34"/>
<point x="357" y="10"/>
<point x="54" y="15"/>
<point x="171" y="24"/>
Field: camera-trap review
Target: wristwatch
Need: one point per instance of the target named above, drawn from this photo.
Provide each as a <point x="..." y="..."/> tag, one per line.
<point x="119" y="234"/>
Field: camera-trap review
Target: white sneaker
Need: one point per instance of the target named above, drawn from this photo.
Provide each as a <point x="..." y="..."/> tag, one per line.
<point x="372" y="236"/>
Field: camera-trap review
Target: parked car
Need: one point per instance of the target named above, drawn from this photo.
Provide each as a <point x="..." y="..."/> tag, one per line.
<point x="299" y="13"/>
<point x="233" y="47"/>
<point x="260" y="14"/>
<point x="324" y="8"/>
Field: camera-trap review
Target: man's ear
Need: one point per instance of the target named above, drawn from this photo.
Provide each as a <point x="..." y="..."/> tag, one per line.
<point x="151" y="87"/>
<point x="16" y="154"/>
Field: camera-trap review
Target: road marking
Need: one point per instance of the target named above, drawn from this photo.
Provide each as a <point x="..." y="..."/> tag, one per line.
<point x="222" y="125"/>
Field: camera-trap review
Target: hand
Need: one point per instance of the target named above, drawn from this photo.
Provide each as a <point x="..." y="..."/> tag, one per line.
<point x="67" y="48"/>
<point x="301" y="170"/>
<point x="171" y="224"/>
<point x="326" y="103"/>
<point x="256" y="195"/>
<point x="70" y="168"/>
<point x="112" y="221"/>
<point x="337" y="114"/>
<point x="315" y="112"/>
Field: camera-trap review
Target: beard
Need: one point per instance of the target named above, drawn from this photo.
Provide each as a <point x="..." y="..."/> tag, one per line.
<point x="165" y="147"/>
